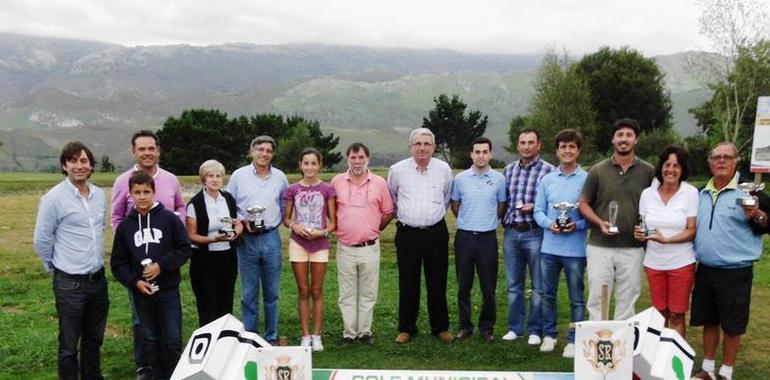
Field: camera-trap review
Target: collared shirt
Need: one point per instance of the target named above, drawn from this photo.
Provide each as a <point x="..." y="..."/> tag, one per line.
<point x="669" y="219"/>
<point x="521" y="183"/>
<point x="69" y="232"/>
<point x="712" y="189"/>
<point x="479" y="195"/>
<point x="360" y="207"/>
<point x="216" y="209"/>
<point x="555" y="188"/>
<point x="248" y="189"/>
<point x="167" y="191"/>
<point x="607" y="182"/>
<point x="420" y="197"/>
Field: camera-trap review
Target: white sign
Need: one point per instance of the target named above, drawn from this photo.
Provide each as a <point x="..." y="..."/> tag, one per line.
<point x="375" y="374"/>
<point x="604" y="350"/>
<point x="647" y="328"/>
<point x="674" y="358"/>
<point x="760" y="147"/>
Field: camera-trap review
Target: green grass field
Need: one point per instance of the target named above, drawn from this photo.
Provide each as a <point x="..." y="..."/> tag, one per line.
<point x="28" y="316"/>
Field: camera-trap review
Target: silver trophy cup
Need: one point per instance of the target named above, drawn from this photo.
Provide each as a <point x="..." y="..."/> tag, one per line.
<point x="646" y="229"/>
<point x="153" y="285"/>
<point x="228" y="226"/>
<point x="747" y="199"/>
<point x="563" y="219"/>
<point x="613" y="216"/>
<point x="254" y="218"/>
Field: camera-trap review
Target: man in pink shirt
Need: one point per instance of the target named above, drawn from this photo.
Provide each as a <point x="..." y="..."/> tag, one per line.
<point x="364" y="209"/>
<point x="146" y="151"/>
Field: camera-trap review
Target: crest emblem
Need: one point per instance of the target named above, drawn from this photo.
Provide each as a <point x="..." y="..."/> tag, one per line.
<point x="605" y="352"/>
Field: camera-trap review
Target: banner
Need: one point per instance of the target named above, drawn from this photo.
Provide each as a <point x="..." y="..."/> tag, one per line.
<point x="674" y="357"/>
<point x="604" y="350"/>
<point x="647" y="327"/>
<point x="375" y="374"/>
<point x="760" y="147"/>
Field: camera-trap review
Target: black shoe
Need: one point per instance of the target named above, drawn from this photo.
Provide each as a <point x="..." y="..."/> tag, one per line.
<point x="347" y="341"/>
<point x="144" y="373"/>
<point x="487" y="336"/>
<point x="462" y="334"/>
<point x="367" y="340"/>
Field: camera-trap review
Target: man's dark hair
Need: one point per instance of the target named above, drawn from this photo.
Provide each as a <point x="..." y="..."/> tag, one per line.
<point x="681" y="157"/>
<point x="357" y="146"/>
<point x="144" y="133"/>
<point x="141" y="178"/>
<point x="529" y="130"/>
<point x="626" y="122"/>
<point x="72" y="149"/>
<point x="481" y="140"/>
<point x="568" y="135"/>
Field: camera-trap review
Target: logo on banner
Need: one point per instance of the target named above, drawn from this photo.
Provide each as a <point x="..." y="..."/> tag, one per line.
<point x="283" y="369"/>
<point x="605" y="352"/>
<point x="199" y="347"/>
<point x="678" y="367"/>
<point x="250" y="371"/>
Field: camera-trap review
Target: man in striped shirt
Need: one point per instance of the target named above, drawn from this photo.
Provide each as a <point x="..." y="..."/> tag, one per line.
<point x="521" y="243"/>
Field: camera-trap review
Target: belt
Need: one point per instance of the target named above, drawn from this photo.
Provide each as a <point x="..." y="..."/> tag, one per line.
<point x="365" y="244"/>
<point x="418" y="229"/>
<point x="477" y="232"/>
<point x="522" y="227"/>
<point x="267" y="230"/>
<point x="98" y="275"/>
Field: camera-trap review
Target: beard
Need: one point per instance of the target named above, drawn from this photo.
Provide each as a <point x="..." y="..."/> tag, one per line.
<point x="624" y="153"/>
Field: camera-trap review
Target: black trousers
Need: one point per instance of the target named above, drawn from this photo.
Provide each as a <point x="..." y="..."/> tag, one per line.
<point x="82" y="306"/>
<point x="417" y="249"/>
<point x="212" y="275"/>
<point x="476" y="252"/>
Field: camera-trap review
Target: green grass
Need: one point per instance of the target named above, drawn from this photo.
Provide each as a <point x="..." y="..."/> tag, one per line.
<point x="28" y="316"/>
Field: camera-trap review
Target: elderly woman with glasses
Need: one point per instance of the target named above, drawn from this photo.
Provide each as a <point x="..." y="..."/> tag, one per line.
<point x="213" y="228"/>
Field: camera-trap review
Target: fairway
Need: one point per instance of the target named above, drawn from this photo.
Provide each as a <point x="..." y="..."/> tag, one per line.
<point x="28" y="316"/>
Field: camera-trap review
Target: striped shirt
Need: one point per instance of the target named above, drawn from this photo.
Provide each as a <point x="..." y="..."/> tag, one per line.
<point x="521" y="185"/>
<point x="420" y="197"/>
<point x="479" y="195"/>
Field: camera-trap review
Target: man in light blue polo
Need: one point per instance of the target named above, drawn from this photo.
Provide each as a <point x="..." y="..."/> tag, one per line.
<point x="478" y="201"/>
<point x="564" y="245"/>
<point x="259" y="257"/>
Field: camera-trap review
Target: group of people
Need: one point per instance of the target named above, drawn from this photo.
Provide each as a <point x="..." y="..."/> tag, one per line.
<point x="638" y="216"/>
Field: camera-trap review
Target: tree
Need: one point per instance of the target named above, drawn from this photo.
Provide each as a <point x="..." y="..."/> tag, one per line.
<point x="454" y="129"/>
<point x="623" y="83"/>
<point x="562" y="100"/>
<point x="198" y="135"/>
<point x="106" y="165"/>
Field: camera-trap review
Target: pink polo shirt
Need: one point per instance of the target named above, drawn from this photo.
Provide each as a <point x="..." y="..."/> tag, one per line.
<point x="360" y="207"/>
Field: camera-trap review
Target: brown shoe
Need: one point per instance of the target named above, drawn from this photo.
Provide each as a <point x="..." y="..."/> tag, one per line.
<point x="702" y="375"/>
<point x="446" y="336"/>
<point x="403" y="337"/>
<point x="487" y="336"/>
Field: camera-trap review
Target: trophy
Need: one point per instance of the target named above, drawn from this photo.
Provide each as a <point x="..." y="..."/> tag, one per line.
<point x="748" y="200"/>
<point x="254" y="218"/>
<point x="613" y="217"/>
<point x="647" y="230"/>
<point x="563" y="219"/>
<point x="153" y="285"/>
<point x="228" y="226"/>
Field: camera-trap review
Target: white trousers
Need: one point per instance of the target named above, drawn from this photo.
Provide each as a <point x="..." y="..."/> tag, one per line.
<point x="621" y="269"/>
<point x="358" y="277"/>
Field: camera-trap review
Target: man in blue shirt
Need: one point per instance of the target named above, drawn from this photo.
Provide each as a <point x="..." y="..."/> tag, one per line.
<point x="564" y="246"/>
<point x="477" y="200"/>
<point x="259" y="256"/>
<point x="69" y="235"/>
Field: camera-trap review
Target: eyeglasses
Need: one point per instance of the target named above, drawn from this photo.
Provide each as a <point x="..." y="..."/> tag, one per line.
<point x="721" y="157"/>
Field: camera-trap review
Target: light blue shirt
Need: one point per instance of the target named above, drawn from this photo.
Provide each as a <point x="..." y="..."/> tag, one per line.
<point x="554" y="188"/>
<point x="479" y="196"/>
<point x="250" y="190"/>
<point x="69" y="231"/>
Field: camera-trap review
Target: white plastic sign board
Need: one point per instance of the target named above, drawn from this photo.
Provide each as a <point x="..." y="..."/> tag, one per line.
<point x="604" y="350"/>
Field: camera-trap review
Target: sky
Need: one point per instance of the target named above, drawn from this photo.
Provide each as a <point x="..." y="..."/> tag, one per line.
<point x="654" y="27"/>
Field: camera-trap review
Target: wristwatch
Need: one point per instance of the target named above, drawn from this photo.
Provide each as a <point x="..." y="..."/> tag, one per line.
<point x="761" y="218"/>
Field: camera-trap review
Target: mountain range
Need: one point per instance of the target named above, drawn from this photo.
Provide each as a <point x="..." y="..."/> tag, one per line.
<point x="55" y="90"/>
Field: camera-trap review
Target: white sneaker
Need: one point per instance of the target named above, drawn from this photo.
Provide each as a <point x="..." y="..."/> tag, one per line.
<point x="306" y="341"/>
<point x="569" y="351"/>
<point x="548" y="344"/>
<point x="317" y="345"/>
<point x="534" y="340"/>
<point x="510" y="336"/>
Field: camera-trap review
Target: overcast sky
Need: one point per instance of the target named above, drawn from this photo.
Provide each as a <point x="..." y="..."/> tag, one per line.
<point x="477" y="26"/>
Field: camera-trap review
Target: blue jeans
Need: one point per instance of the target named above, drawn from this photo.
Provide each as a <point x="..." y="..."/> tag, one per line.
<point x="259" y="260"/>
<point x="522" y="250"/>
<point x="161" y="317"/>
<point x="574" y="268"/>
<point x="82" y="309"/>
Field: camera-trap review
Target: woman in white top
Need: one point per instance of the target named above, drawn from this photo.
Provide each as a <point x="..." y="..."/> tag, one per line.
<point x="667" y="209"/>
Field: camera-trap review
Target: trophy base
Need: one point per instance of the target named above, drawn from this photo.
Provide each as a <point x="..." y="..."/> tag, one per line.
<point x="613" y="230"/>
<point x="747" y="202"/>
<point x="650" y="232"/>
<point x="562" y="223"/>
<point x="227" y="233"/>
